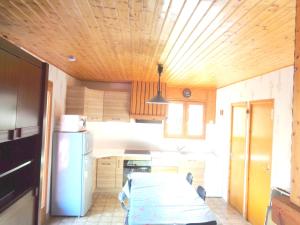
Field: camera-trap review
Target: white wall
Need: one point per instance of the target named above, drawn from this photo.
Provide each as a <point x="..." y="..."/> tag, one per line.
<point x="277" y="85"/>
<point x="60" y="81"/>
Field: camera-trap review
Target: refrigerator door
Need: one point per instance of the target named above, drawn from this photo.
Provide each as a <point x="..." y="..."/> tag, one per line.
<point x="67" y="166"/>
<point x="87" y="183"/>
<point x="87" y="143"/>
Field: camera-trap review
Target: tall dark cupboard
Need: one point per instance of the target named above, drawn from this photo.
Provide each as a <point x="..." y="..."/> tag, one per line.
<point x="23" y="85"/>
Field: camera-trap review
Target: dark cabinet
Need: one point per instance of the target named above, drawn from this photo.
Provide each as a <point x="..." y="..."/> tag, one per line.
<point x="29" y="89"/>
<point x="20" y="97"/>
<point x="23" y="86"/>
<point x="8" y="90"/>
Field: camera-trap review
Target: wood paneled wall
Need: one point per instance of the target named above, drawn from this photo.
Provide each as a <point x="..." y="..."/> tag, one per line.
<point x="140" y="93"/>
<point x="295" y="185"/>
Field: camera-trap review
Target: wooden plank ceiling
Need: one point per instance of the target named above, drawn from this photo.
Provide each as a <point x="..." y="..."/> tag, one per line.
<point x="200" y="42"/>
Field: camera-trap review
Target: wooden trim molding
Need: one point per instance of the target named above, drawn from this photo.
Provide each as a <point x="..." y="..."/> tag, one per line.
<point x="295" y="178"/>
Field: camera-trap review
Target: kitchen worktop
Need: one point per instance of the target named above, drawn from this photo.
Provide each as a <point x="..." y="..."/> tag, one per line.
<point x="174" y="155"/>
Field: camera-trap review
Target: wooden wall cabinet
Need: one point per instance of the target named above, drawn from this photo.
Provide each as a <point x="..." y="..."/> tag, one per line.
<point x="98" y="105"/>
<point x="84" y="101"/>
<point x="23" y="81"/>
<point x="20" y="98"/>
<point x="140" y="93"/>
<point x="116" y="106"/>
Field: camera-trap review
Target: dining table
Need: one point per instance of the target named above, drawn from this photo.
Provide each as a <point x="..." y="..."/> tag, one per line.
<point x="164" y="199"/>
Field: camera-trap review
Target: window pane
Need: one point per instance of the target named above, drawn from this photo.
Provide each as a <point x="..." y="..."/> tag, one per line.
<point x="175" y="119"/>
<point x="195" y="120"/>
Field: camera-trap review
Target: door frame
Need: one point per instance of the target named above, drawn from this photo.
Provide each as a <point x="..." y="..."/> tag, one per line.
<point x="247" y="148"/>
<point x="44" y="192"/>
<point x="249" y="145"/>
<point x="246" y="104"/>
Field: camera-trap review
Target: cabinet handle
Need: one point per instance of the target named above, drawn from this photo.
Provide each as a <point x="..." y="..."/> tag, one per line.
<point x="19" y="132"/>
<point x="106" y="164"/>
<point x="11" y="134"/>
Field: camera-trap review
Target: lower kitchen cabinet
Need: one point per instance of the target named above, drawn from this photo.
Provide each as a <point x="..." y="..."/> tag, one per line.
<point x="109" y="174"/>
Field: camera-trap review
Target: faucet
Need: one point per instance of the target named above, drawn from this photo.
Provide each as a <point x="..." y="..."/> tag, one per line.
<point x="180" y="148"/>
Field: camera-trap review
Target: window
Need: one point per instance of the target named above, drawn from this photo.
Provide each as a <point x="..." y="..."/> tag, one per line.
<point x="185" y="120"/>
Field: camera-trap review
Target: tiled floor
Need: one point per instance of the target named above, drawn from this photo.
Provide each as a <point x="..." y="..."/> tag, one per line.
<point x="106" y="210"/>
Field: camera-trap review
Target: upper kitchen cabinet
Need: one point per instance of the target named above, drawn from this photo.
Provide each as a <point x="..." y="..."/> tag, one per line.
<point x="84" y="101"/>
<point x="20" y="93"/>
<point x="29" y="98"/>
<point x="140" y="93"/>
<point x="8" y="90"/>
<point x="116" y="106"/>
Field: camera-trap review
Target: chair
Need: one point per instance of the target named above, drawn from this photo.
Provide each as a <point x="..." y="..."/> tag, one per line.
<point x="201" y="192"/>
<point x="189" y="178"/>
<point x="122" y="197"/>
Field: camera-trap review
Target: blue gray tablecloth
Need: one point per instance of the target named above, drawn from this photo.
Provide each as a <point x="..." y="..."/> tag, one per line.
<point x="164" y="199"/>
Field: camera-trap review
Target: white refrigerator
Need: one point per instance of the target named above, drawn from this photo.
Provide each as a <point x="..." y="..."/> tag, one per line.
<point x="72" y="165"/>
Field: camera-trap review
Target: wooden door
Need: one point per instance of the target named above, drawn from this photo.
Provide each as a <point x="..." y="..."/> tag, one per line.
<point x="237" y="156"/>
<point x="260" y="150"/>
<point x="45" y="165"/>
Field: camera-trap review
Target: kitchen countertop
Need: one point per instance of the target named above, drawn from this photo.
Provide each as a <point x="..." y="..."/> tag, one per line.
<point x="172" y="155"/>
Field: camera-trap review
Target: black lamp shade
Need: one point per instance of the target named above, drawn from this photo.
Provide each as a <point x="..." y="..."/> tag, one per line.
<point x="157" y="99"/>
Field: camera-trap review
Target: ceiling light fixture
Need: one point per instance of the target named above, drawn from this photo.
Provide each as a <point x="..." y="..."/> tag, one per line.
<point x="158" y="99"/>
<point x="71" y="58"/>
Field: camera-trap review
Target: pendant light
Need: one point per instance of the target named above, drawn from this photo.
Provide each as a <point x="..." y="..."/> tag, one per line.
<point x="158" y="99"/>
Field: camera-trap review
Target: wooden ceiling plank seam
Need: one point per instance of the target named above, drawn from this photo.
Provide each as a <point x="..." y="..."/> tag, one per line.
<point x="189" y="29"/>
<point x="283" y="17"/>
<point x="201" y="53"/>
<point x="200" y="43"/>
<point x="30" y="49"/>
<point x="248" y="32"/>
<point x="125" y="60"/>
<point x="208" y="18"/>
<point x="157" y="50"/>
<point x="225" y="14"/>
<point x="121" y="40"/>
<point x="226" y="38"/>
<point x="138" y="21"/>
<point x="157" y="22"/>
<point x="10" y="12"/>
<point x="88" y="43"/>
<point x="148" y="39"/>
<point x="74" y="42"/>
<point x="245" y="44"/>
<point x="190" y="65"/>
<point x="98" y="15"/>
<point x="151" y="52"/>
<point x="148" y="31"/>
<point x="163" y="59"/>
<point x="263" y="52"/>
<point x="91" y="22"/>
<point x="107" y="37"/>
